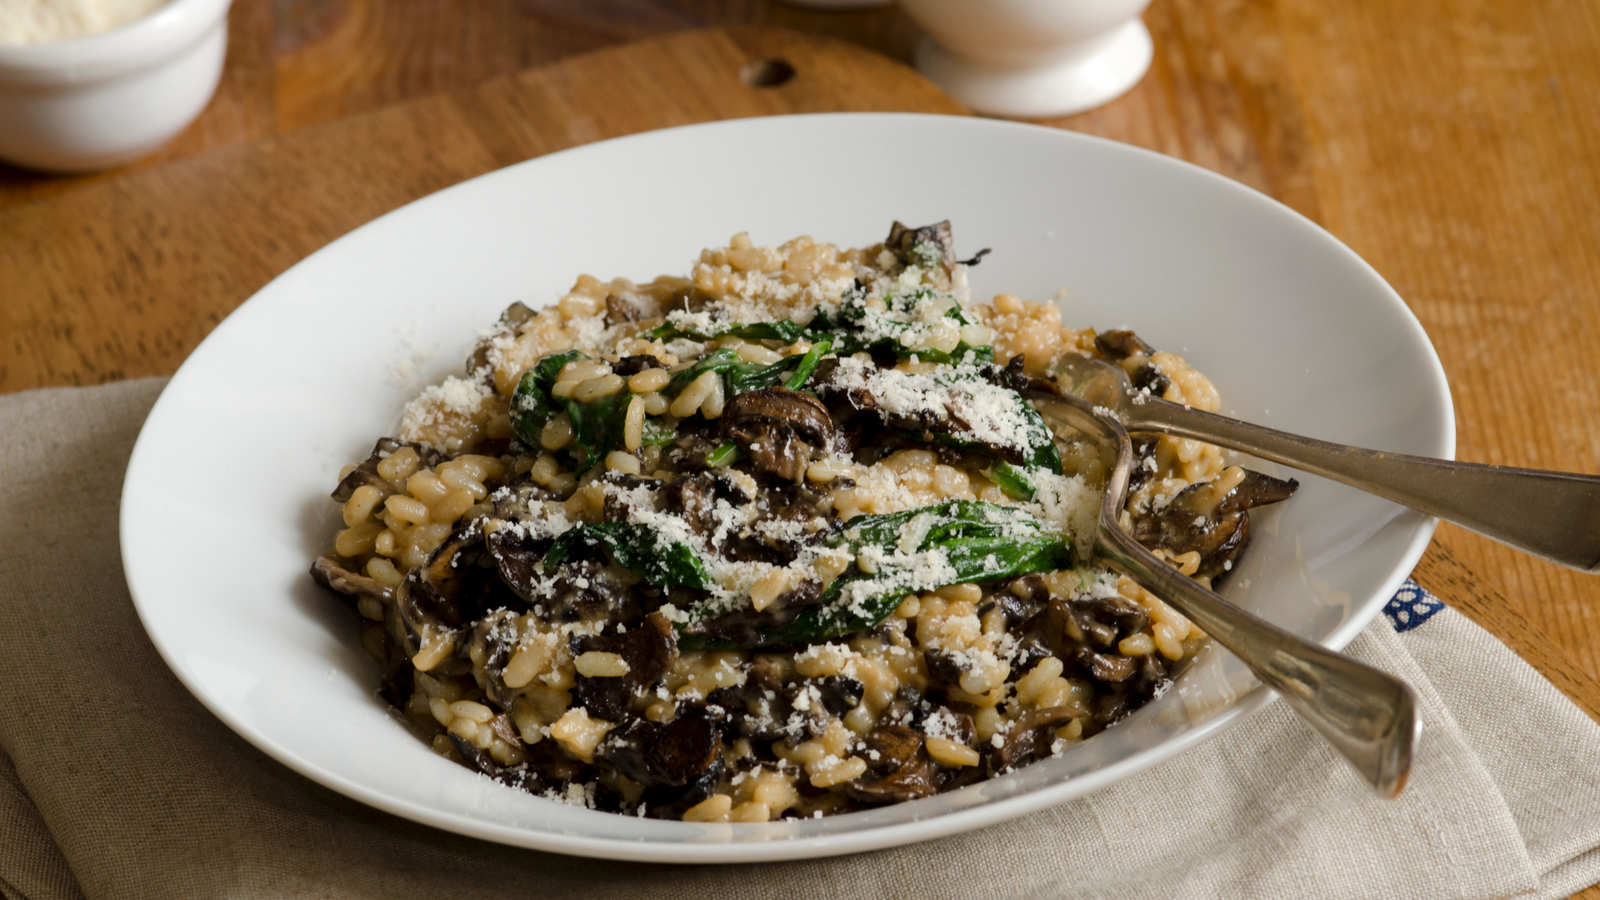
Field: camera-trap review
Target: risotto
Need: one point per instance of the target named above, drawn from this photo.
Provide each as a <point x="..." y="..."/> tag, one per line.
<point x="780" y="538"/>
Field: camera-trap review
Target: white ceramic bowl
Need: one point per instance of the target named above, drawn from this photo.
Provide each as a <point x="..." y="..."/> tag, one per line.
<point x="1032" y="58"/>
<point x="110" y="98"/>
<point x="226" y="499"/>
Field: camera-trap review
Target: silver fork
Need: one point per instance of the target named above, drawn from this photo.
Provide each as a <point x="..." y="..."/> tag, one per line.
<point x="1552" y="515"/>
<point x="1369" y="717"/>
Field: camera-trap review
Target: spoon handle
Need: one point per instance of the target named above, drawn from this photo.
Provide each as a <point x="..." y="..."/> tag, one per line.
<point x="1368" y="716"/>
<point x="1552" y="515"/>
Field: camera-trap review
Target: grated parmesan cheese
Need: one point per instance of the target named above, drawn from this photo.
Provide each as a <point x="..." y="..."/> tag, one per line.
<point x="41" y="21"/>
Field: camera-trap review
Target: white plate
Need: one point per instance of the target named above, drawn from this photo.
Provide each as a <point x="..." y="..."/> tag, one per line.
<point x="226" y="499"/>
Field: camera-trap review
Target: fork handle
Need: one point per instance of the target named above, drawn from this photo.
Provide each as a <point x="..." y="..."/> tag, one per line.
<point x="1368" y="716"/>
<point x="1552" y="515"/>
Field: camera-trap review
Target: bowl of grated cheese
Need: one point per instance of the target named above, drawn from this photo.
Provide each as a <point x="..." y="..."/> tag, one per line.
<point x="92" y="84"/>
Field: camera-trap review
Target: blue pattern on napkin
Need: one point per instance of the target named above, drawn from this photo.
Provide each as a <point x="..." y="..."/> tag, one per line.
<point x="1411" y="606"/>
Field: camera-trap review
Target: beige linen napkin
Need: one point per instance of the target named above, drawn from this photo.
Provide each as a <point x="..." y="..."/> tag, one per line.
<point x="115" y="782"/>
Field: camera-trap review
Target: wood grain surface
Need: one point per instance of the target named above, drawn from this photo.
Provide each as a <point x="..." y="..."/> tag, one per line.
<point x="121" y="277"/>
<point x="1455" y="144"/>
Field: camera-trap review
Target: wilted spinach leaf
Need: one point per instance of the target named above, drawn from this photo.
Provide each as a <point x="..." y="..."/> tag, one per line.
<point x="1012" y="480"/>
<point x="955" y="542"/>
<point x="740" y="377"/>
<point x="531" y="404"/>
<point x="782" y="330"/>
<point x="642" y="550"/>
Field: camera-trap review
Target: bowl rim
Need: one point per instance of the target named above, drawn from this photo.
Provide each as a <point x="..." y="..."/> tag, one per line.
<point x="159" y="35"/>
<point x="1247" y="703"/>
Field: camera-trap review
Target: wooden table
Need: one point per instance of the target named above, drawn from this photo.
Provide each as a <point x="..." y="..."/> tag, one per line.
<point x="1453" y="144"/>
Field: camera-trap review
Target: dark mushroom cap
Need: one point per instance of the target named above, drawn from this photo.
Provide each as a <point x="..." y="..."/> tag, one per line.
<point x="1144" y="454"/>
<point x="680" y="763"/>
<point x="330" y="575"/>
<point x="1021" y="598"/>
<point x="945" y="666"/>
<point x="444" y="571"/>
<point x="1256" y="489"/>
<point x="902" y="770"/>
<point x="902" y="241"/>
<point x="694" y="495"/>
<point x="961" y="730"/>
<point x="633" y="365"/>
<point x="1029" y="737"/>
<point x="1151" y="379"/>
<point x="751" y="713"/>
<point x="826" y="382"/>
<point x="918" y="427"/>
<point x="910" y="707"/>
<point x="776" y="425"/>
<point x="585" y="586"/>
<point x="1124" y="697"/>
<point x="763" y="708"/>
<point x="1121" y="346"/>
<point x="674" y="753"/>
<point x="619" y="311"/>
<point x="1202" y="519"/>
<point x="896" y="745"/>
<point x="1108" y="667"/>
<point x="1084" y="632"/>
<point x="801" y="412"/>
<point x="1100" y="622"/>
<point x="460" y="581"/>
<point x="649" y="649"/>
<point x="691" y="497"/>
<point x="840" y="693"/>
<point x="1118" y="345"/>
<point x="1009" y="376"/>
<point x="685" y="747"/>
<point x="1037" y="638"/>
<point x="493" y="643"/>
<point x="518" y="558"/>
<point x="453" y="588"/>
<point x="667" y="802"/>
<point x="367" y="471"/>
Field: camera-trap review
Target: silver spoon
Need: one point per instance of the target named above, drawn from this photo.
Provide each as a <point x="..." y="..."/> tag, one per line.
<point x="1552" y="515"/>
<point x="1370" y="717"/>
